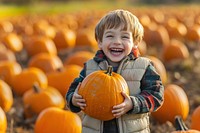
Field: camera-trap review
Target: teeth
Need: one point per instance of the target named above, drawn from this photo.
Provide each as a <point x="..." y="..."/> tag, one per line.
<point x="116" y="49"/>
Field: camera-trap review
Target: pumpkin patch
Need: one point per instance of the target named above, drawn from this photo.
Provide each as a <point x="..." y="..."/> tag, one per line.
<point x="171" y="34"/>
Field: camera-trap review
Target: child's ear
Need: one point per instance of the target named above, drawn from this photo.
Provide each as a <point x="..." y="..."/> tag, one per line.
<point x="99" y="44"/>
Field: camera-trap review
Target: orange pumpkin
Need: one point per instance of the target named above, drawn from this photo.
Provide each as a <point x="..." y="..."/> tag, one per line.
<point x="25" y="80"/>
<point x="3" y="121"/>
<point x="196" y="119"/>
<point x="175" y="28"/>
<point x="37" y="99"/>
<point x="6" y="96"/>
<point x="7" y="55"/>
<point x="43" y="28"/>
<point x="56" y="120"/>
<point x="8" y="69"/>
<point x="175" y="101"/>
<point x="193" y="33"/>
<point x="64" y="39"/>
<point x="6" y="26"/>
<point x="175" y="50"/>
<point x="78" y="58"/>
<point x="102" y="90"/>
<point x="156" y="35"/>
<point x="13" y="42"/>
<point x="85" y="38"/>
<point x="45" y="62"/>
<point x="62" y="78"/>
<point x="181" y="127"/>
<point x="160" y="68"/>
<point x="40" y="44"/>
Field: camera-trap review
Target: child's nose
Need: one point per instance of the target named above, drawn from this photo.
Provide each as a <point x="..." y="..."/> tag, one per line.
<point x="118" y="40"/>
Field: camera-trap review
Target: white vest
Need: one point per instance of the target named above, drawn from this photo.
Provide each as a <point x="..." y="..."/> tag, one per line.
<point x="132" y="71"/>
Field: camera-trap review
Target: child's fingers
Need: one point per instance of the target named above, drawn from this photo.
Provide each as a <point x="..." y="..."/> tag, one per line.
<point x="81" y="105"/>
<point x="115" y="111"/>
<point x="79" y="85"/>
<point x="119" y="106"/>
<point x="125" y="95"/>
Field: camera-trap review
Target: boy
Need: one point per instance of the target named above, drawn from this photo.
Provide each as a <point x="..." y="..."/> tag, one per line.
<point x="117" y="34"/>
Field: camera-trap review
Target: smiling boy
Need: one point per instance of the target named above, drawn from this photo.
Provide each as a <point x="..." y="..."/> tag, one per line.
<point x="117" y="34"/>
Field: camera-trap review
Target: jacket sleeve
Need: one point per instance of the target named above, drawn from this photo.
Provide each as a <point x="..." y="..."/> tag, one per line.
<point x="71" y="91"/>
<point x="152" y="93"/>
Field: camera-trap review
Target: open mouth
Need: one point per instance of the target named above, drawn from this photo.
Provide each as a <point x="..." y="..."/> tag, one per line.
<point x="116" y="51"/>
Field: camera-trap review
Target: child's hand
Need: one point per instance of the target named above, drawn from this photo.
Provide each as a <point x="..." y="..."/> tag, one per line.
<point x="124" y="107"/>
<point x="77" y="100"/>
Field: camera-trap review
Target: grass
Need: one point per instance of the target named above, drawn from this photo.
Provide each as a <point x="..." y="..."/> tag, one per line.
<point x="13" y="10"/>
<point x="70" y="6"/>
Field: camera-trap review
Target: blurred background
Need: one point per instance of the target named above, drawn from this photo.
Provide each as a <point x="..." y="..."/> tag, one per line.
<point x="51" y="35"/>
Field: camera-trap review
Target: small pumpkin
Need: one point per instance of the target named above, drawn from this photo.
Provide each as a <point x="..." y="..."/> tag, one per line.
<point x="181" y="127"/>
<point x="193" y="33"/>
<point x="78" y="58"/>
<point x="43" y="28"/>
<point x="102" y="90"/>
<point x="37" y="99"/>
<point x="159" y="66"/>
<point x="195" y="118"/>
<point x="6" y="96"/>
<point x="85" y="38"/>
<point x="7" y="55"/>
<point x="3" y="121"/>
<point x="6" y="26"/>
<point x="64" y="39"/>
<point x="62" y="78"/>
<point x="175" y="101"/>
<point x="46" y="62"/>
<point x="8" y="69"/>
<point x="176" y="50"/>
<point x="13" y="42"/>
<point x="25" y="80"/>
<point x="56" y="120"/>
<point x="40" y="44"/>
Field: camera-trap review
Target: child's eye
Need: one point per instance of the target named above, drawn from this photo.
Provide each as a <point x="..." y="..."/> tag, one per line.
<point x="109" y="36"/>
<point x="125" y="37"/>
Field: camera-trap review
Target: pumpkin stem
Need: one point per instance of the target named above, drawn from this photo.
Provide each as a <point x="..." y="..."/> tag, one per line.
<point x="109" y="70"/>
<point x="36" y="87"/>
<point x="179" y="124"/>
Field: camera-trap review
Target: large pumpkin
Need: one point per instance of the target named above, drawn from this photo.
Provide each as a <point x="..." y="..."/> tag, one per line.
<point x="195" y="121"/>
<point x="6" y="96"/>
<point x="175" y="103"/>
<point x="56" y="120"/>
<point x="102" y="90"/>
<point x="3" y="121"/>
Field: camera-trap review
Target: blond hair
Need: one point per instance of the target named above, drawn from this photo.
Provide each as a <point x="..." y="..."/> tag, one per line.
<point x="117" y="18"/>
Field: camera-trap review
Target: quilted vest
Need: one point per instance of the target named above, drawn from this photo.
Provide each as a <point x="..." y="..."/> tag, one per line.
<point x="132" y="71"/>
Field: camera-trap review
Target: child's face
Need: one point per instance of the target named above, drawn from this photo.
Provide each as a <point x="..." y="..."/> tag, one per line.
<point x="116" y="44"/>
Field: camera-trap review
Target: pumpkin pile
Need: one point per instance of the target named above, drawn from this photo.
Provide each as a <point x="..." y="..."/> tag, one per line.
<point x="40" y="55"/>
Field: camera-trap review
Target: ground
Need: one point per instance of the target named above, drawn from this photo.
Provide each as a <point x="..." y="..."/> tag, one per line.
<point x="185" y="74"/>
